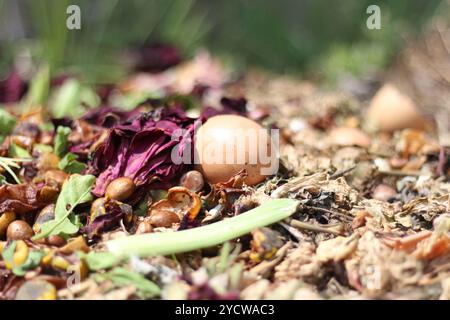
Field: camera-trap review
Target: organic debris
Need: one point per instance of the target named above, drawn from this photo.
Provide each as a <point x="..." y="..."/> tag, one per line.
<point x="109" y="204"/>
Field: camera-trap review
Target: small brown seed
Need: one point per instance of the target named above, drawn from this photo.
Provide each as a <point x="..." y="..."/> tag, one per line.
<point x="164" y="219"/>
<point x="144" y="227"/>
<point x="46" y="214"/>
<point x="55" y="175"/>
<point x="56" y="241"/>
<point x="120" y="189"/>
<point x="193" y="181"/>
<point x="19" y="230"/>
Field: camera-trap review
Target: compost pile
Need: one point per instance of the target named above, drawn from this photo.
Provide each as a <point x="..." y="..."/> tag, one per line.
<point x="367" y="171"/>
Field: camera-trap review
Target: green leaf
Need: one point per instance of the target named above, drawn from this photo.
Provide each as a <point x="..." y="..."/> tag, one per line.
<point x="47" y="126"/>
<point x="61" y="139"/>
<point x="89" y="97"/>
<point x="2" y="180"/>
<point x="129" y="101"/>
<point x="123" y="277"/>
<point x="39" y="88"/>
<point x="33" y="260"/>
<point x="74" y="192"/>
<point x="8" y="252"/>
<point x="70" y="164"/>
<point x="18" y="152"/>
<point x="7" y="122"/>
<point x="43" y="148"/>
<point x="68" y="99"/>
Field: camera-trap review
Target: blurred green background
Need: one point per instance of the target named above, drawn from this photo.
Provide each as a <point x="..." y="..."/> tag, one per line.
<point x="301" y="37"/>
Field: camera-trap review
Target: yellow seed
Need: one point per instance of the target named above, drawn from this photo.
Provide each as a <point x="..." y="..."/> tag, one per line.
<point x="5" y="219"/>
<point x="82" y="269"/>
<point x="60" y="263"/>
<point x="21" y="253"/>
<point x="47" y="259"/>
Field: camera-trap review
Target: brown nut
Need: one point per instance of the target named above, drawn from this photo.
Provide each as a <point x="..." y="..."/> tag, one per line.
<point x="46" y="214"/>
<point x="19" y="230"/>
<point x="163" y="219"/>
<point x="193" y="181"/>
<point x="55" y="175"/>
<point x="144" y="227"/>
<point x="5" y="219"/>
<point x="56" y="241"/>
<point x="120" y="189"/>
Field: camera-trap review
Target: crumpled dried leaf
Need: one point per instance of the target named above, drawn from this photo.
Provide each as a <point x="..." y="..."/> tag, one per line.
<point x="431" y="205"/>
<point x="438" y="243"/>
<point x="12" y="88"/>
<point x="300" y="263"/>
<point x="107" y="217"/>
<point x="26" y="197"/>
<point x="337" y="249"/>
<point x="374" y="268"/>
<point x="141" y="149"/>
<point x="223" y="197"/>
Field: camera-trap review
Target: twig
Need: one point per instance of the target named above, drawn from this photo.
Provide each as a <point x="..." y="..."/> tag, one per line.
<point x="327" y="211"/>
<point x="399" y="173"/>
<point x="293" y="231"/>
<point x="312" y="227"/>
<point x="342" y="172"/>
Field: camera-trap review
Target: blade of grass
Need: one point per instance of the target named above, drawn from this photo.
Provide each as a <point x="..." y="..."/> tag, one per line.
<point x="167" y="243"/>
